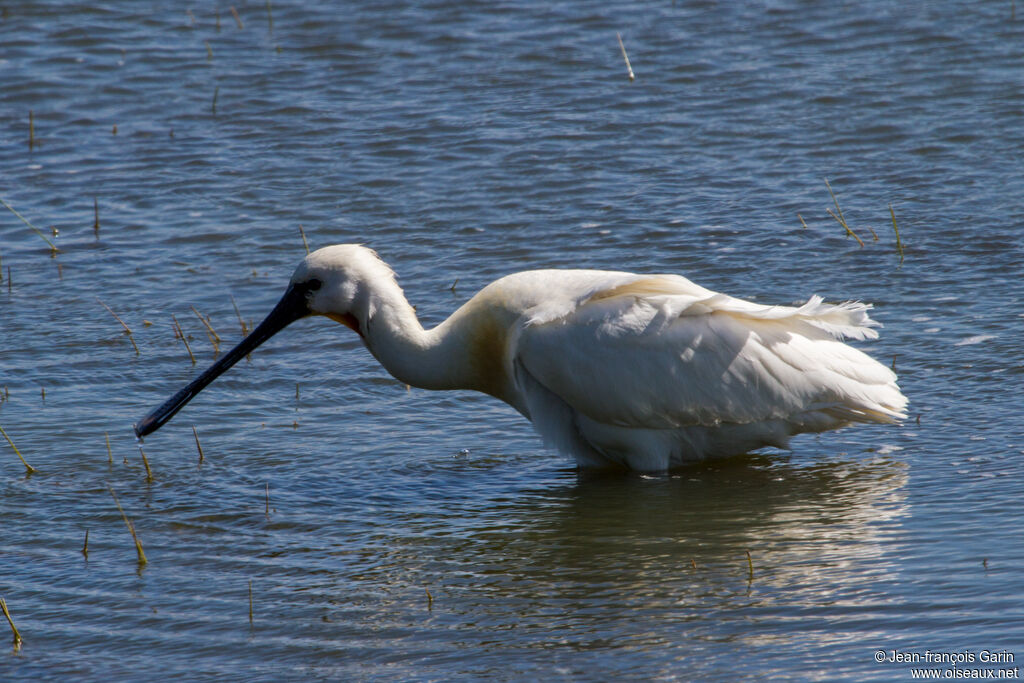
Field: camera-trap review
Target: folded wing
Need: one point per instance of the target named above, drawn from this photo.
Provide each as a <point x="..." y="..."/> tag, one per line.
<point x="659" y="352"/>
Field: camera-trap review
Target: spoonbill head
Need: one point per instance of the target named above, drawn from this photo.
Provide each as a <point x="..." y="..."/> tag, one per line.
<point x="646" y="372"/>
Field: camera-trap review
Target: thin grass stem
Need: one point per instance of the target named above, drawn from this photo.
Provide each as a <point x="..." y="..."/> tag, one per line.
<point x="245" y="330"/>
<point x="14" y="629"/>
<point x="629" y="67"/>
<point x="53" y="247"/>
<point x="127" y="330"/>
<point x="210" y="332"/>
<point x="145" y="462"/>
<point x="899" y="242"/>
<point x="199" y="446"/>
<point x="28" y="468"/>
<point x="131" y="527"/>
<point x="840" y="218"/>
<point x="181" y="333"/>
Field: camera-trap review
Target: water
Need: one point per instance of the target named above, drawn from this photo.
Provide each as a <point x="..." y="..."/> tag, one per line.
<point x="423" y="536"/>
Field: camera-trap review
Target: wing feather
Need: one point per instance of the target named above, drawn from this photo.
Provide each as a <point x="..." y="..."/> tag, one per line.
<point x="660" y="352"/>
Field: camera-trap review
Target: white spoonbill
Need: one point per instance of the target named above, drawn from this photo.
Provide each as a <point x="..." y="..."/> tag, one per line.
<point x="647" y="372"/>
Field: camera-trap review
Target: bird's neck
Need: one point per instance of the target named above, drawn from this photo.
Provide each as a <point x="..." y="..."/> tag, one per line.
<point x="429" y="359"/>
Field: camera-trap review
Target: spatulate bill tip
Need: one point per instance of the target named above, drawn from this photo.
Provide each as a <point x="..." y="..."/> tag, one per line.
<point x="144" y="426"/>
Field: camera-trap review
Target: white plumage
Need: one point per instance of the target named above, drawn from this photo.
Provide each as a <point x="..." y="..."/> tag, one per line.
<point x="648" y="372"/>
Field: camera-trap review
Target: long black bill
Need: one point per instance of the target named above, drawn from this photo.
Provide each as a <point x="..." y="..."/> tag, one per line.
<point x="290" y="308"/>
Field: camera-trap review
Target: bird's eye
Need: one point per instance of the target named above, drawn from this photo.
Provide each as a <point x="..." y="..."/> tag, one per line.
<point x="314" y="284"/>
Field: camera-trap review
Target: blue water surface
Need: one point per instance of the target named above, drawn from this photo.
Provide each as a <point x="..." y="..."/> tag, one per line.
<point x="393" y="534"/>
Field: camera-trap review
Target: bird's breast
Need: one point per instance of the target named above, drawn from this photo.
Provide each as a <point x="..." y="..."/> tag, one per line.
<point x="486" y="355"/>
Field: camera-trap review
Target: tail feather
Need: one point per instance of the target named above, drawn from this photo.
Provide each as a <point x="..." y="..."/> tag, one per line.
<point x="849" y="320"/>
